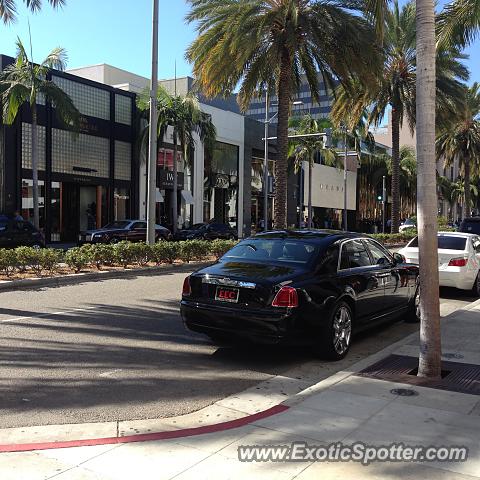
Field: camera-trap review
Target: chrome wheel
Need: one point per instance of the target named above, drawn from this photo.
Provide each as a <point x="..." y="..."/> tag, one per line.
<point x="342" y="330"/>
<point x="417" y="303"/>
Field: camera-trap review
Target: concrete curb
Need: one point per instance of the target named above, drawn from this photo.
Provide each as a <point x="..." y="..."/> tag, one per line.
<point x="77" y="278"/>
<point x="230" y="411"/>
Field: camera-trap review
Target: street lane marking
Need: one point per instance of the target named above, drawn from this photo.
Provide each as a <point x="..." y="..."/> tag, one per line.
<point x="44" y="315"/>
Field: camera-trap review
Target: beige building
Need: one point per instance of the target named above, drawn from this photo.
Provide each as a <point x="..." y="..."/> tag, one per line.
<point x="383" y="135"/>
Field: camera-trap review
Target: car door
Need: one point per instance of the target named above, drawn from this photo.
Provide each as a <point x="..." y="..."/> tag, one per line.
<point x="6" y="234"/>
<point x="395" y="278"/>
<point x="365" y="280"/>
<point x="138" y="232"/>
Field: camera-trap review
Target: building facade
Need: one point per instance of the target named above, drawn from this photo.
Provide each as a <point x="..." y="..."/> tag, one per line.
<point x="86" y="178"/>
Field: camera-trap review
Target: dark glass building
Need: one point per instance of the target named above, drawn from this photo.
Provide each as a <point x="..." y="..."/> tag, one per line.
<point x="86" y="179"/>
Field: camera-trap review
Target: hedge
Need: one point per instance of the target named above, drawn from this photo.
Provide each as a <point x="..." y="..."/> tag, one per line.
<point x="27" y="259"/>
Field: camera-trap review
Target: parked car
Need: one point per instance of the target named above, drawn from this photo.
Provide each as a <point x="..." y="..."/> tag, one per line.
<point x="312" y="287"/>
<point x="207" y="231"/>
<point x="470" y="225"/>
<point x="18" y="233"/>
<point x="408" y="224"/>
<point x="132" y="230"/>
<point x="458" y="259"/>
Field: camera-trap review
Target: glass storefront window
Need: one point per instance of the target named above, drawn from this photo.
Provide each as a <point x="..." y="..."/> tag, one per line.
<point x="123" y="160"/>
<point x="55" y="211"/>
<point x="121" y="203"/>
<point x="27" y="146"/>
<point x="27" y="200"/>
<point x="221" y="184"/>
<point x="123" y="109"/>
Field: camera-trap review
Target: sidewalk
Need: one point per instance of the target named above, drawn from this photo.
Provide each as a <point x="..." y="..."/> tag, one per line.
<point x="343" y="408"/>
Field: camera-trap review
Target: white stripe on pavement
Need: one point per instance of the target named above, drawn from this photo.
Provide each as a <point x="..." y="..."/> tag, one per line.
<point x="43" y="315"/>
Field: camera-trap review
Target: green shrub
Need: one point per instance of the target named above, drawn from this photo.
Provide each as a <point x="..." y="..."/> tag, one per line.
<point x="29" y="257"/>
<point x="102" y="254"/>
<point x="218" y="247"/>
<point x="50" y="259"/>
<point x="395" y="238"/>
<point x="140" y="253"/>
<point x="78" y="258"/>
<point x="8" y="261"/>
<point x="124" y="254"/>
<point x="165" y="252"/>
<point x="194" y="250"/>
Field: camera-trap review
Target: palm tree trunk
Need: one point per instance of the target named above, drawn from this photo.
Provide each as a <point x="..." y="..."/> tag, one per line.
<point x="280" y="213"/>
<point x="175" y="184"/>
<point x="36" y="213"/>
<point x="310" y="171"/>
<point x="430" y="335"/>
<point x="395" y="170"/>
<point x="468" y="202"/>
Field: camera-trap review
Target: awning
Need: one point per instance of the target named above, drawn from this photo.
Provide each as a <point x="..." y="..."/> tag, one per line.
<point x="159" y="197"/>
<point x="188" y="197"/>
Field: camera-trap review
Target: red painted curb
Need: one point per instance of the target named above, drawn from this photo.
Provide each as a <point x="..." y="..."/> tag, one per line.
<point x="146" y="437"/>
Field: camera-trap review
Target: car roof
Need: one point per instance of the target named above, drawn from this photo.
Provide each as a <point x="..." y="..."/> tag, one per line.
<point x="319" y="235"/>
<point x="458" y="234"/>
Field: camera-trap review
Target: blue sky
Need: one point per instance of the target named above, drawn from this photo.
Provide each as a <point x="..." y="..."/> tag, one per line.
<point x="118" y="32"/>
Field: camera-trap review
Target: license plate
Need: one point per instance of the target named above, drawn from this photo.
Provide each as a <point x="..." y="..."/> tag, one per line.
<point x="227" y="294"/>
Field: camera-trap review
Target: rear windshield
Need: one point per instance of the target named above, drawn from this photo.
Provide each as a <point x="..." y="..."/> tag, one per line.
<point x="274" y="250"/>
<point x="445" y="243"/>
<point x="118" y="224"/>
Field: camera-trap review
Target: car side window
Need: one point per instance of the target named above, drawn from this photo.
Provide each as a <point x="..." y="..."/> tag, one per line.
<point x="354" y="255"/>
<point x="328" y="262"/>
<point x="379" y="255"/>
<point x="138" y="225"/>
<point x="22" y="226"/>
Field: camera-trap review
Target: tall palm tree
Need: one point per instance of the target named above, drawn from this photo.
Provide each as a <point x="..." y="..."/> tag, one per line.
<point x="305" y="149"/>
<point x="184" y="115"/>
<point x="8" y="8"/>
<point x="395" y="88"/>
<point x="260" y="45"/>
<point x="21" y="83"/>
<point x="460" y="140"/>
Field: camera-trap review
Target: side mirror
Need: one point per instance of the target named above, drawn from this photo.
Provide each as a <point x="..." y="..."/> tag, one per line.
<point x="399" y="258"/>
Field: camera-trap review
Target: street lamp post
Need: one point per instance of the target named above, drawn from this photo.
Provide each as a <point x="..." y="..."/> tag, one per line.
<point x="152" y="133"/>
<point x="265" y="167"/>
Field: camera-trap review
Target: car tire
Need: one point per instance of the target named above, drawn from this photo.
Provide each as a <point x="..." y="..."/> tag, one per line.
<point x="219" y="339"/>
<point x="114" y="240"/>
<point x="37" y="246"/>
<point x="476" y="286"/>
<point x="231" y="237"/>
<point x="336" y="336"/>
<point x="413" y="314"/>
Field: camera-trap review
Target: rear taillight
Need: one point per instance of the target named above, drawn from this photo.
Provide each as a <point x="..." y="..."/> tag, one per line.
<point x="187" y="289"/>
<point x="286" y="297"/>
<point x="457" y="262"/>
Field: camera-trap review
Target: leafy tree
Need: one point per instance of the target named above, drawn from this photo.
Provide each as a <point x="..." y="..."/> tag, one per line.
<point x="184" y="115"/>
<point x="22" y="83"/>
<point x="459" y="22"/>
<point x="259" y="45"/>
<point x="460" y="140"/>
<point x="8" y="8"/>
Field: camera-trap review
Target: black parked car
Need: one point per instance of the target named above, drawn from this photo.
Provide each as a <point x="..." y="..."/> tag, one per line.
<point x="207" y="231"/>
<point x="18" y="233"/>
<point x="470" y="225"/>
<point x="132" y="230"/>
<point x="303" y="287"/>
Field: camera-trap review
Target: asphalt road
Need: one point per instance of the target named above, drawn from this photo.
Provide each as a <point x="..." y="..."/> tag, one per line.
<point x="117" y="350"/>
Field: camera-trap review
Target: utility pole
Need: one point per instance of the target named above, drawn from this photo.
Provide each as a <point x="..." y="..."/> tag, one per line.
<point x="384" y="201"/>
<point x="265" y="166"/>
<point x="152" y="134"/>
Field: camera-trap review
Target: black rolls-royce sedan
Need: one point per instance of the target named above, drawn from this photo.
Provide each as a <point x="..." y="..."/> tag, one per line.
<point x="303" y="287"/>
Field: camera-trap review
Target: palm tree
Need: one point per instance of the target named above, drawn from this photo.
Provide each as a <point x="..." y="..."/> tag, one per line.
<point x="460" y="140"/>
<point x="258" y="45"/>
<point x="305" y="149"/>
<point x="459" y="22"/>
<point x="184" y="115"/>
<point x="395" y="88"/>
<point x="21" y="83"/>
<point x="8" y="10"/>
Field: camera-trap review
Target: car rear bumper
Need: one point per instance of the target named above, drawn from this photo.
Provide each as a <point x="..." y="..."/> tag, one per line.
<point x="257" y="327"/>
<point x="452" y="277"/>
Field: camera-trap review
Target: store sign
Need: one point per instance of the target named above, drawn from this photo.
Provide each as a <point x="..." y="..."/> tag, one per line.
<point x="221" y="181"/>
<point x="166" y="180"/>
<point x="86" y="127"/>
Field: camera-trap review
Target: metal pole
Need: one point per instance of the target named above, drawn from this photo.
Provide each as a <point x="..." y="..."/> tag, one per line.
<point x="345" y="224"/>
<point x="152" y="134"/>
<point x="384" y="201"/>
<point x="265" y="167"/>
